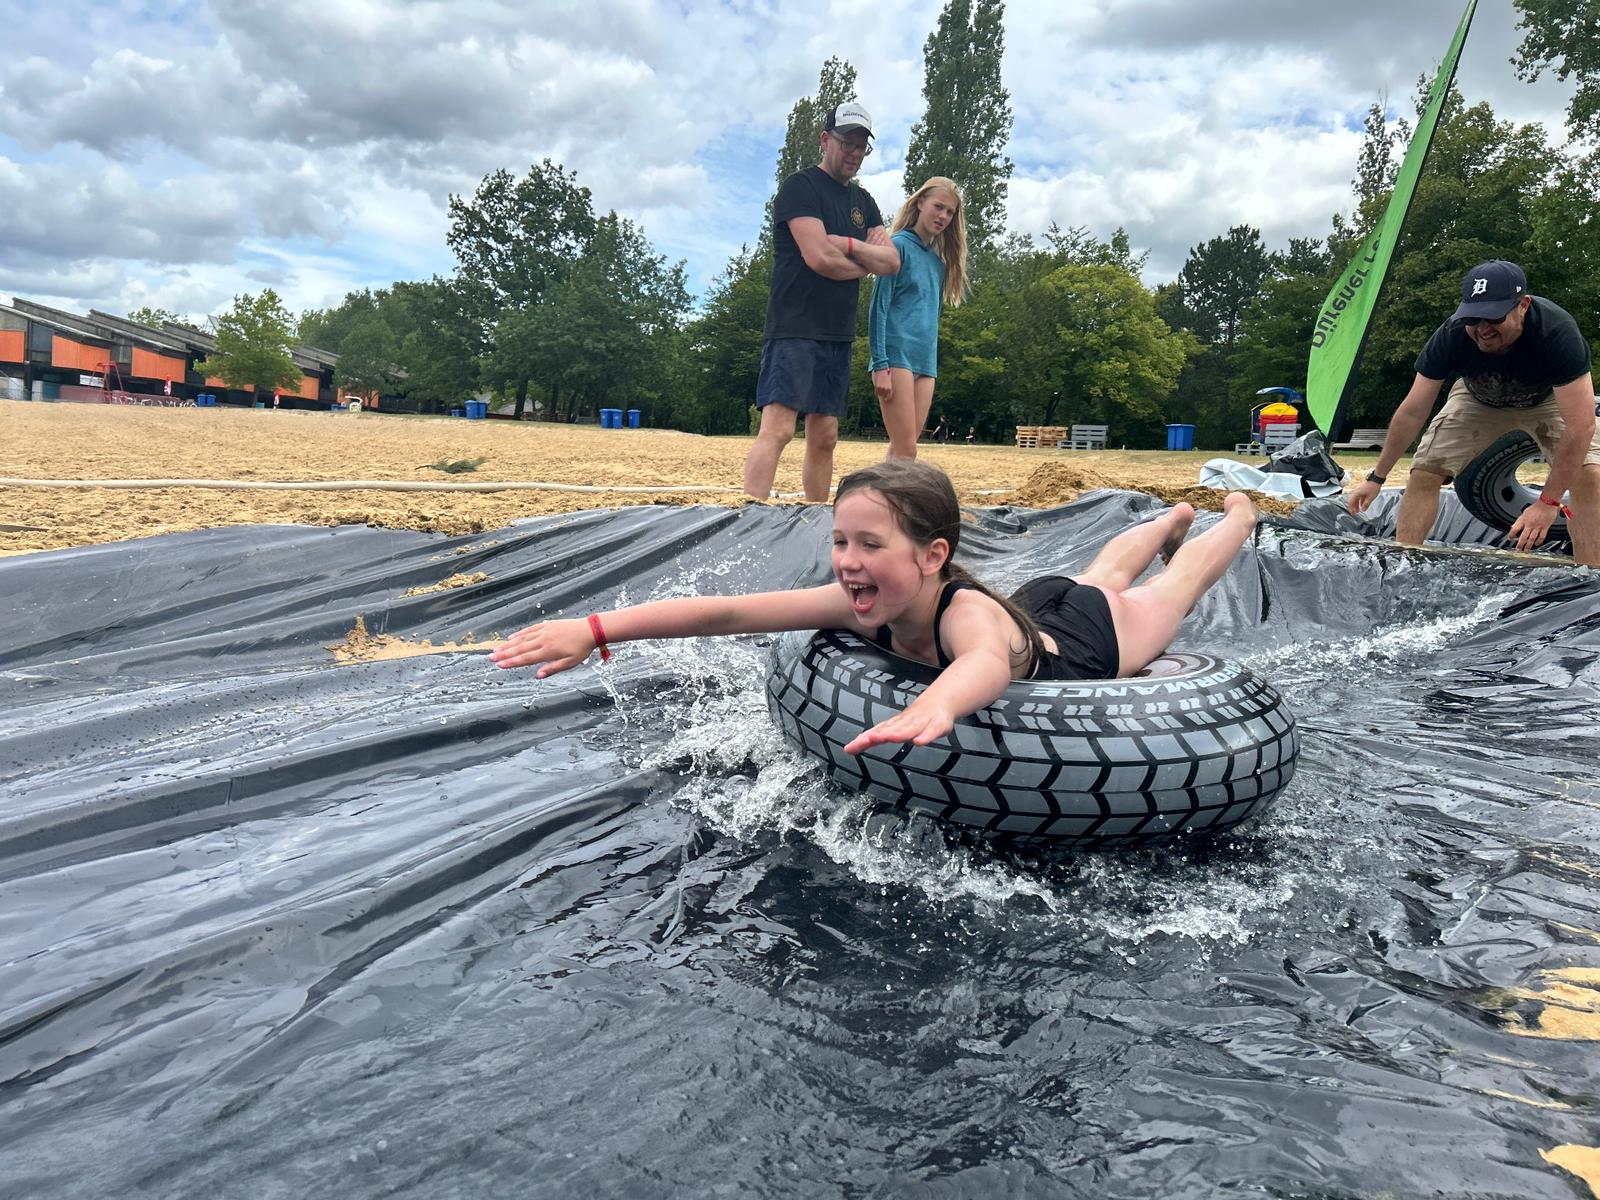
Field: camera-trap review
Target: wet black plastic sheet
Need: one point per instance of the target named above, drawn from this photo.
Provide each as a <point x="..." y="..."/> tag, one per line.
<point x="270" y="925"/>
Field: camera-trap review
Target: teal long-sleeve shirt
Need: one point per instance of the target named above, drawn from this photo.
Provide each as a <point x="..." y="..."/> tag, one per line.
<point x="903" y="320"/>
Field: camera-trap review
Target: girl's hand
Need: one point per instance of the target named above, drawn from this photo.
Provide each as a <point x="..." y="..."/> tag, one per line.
<point x="919" y="724"/>
<point x="880" y="384"/>
<point x="559" y="645"/>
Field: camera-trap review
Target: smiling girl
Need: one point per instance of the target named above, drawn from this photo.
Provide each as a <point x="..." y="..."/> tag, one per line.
<point x="930" y="232"/>
<point x="896" y="527"/>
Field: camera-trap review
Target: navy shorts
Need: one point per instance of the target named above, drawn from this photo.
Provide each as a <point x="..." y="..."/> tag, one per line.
<point x="806" y="375"/>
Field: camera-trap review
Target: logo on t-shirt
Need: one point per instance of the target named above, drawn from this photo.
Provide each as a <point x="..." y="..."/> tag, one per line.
<point x="858" y="218"/>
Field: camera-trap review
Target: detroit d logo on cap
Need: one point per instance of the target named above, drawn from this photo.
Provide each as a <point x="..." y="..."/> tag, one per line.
<point x="1480" y="285"/>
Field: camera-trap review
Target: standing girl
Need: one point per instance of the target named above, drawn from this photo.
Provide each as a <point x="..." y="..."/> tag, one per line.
<point x="930" y="231"/>
<point x="895" y="528"/>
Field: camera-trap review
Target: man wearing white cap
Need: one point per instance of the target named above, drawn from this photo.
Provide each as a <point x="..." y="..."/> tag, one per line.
<point x="1519" y="362"/>
<point x="827" y="233"/>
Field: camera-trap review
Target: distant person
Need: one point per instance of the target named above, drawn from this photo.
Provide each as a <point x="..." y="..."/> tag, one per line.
<point x="972" y="432"/>
<point x="930" y="234"/>
<point x="827" y="234"/>
<point x="939" y="433"/>
<point x="1520" y="363"/>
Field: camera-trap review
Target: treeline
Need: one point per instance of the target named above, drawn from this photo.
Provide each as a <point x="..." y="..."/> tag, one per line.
<point x="567" y="311"/>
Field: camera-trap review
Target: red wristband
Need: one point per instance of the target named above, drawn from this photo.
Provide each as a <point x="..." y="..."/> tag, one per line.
<point x="599" y="637"/>
<point x="1556" y="504"/>
<point x="850" y="247"/>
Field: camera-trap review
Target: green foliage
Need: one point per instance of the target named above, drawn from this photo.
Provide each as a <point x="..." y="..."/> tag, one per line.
<point x="253" y="340"/>
<point x="1220" y="278"/>
<point x="517" y="237"/>
<point x="439" y="342"/>
<point x="153" y="318"/>
<point x="1564" y="36"/>
<point x="326" y="328"/>
<point x="725" y="344"/>
<point x="967" y="120"/>
<point x="369" y="358"/>
<point x="607" y="332"/>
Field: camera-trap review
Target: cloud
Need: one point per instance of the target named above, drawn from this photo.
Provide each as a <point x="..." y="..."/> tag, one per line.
<point x="316" y="142"/>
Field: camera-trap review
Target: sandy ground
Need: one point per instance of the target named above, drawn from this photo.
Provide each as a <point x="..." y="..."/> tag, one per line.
<point x="98" y="442"/>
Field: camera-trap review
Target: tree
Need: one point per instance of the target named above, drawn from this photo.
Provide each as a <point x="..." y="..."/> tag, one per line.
<point x="369" y="359"/>
<point x="253" y="340"/>
<point x="326" y="328"/>
<point x="1564" y="36"/>
<point x="836" y="83"/>
<point x="515" y="239"/>
<point x="724" y="342"/>
<point x="1220" y="278"/>
<point x="440" y="341"/>
<point x="967" y="121"/>
<point x="153" y="318"/>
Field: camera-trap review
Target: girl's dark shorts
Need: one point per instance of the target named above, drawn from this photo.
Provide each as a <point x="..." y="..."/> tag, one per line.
<point x="1077" y="616"/>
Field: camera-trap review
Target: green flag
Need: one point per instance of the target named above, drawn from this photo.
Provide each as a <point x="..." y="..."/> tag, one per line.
<point x="1341" y="329"/>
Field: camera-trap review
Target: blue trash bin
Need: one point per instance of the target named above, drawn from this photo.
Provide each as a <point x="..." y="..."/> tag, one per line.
<point x="1180" y="437"/>
<point x="477" y="409"/>
<point x="633" y="418"/>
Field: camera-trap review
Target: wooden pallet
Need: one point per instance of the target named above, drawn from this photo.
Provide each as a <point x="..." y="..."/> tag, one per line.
<point x="1031" y="437"/>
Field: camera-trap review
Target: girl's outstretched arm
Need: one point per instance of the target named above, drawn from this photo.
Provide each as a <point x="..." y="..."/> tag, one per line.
<point x="562" y="644"/>
<point x="975" y="678"/>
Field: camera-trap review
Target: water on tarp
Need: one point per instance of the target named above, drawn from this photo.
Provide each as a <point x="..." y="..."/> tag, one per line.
<point x="273" y="925"/>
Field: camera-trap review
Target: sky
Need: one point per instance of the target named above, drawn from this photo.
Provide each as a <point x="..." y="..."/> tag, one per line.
<point x="177" y="154"/>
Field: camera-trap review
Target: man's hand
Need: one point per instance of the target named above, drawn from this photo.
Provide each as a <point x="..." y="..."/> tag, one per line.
<point x="1533" y="526"/>
<point x="878" y="236"/>
<point x="1358" y="500"/>
<point x="881" y="385"/>
<point x="559" y="645"/>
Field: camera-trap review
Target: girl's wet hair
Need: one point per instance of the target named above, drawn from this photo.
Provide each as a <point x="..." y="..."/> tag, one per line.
<point x="924" y="504"/>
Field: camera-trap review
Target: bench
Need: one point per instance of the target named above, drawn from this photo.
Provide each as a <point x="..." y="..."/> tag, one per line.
<point x="1362" y="439"/>
<point x="1084" y="437"/>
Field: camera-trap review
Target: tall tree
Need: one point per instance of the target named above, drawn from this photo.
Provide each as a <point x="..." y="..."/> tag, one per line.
<point x="253" y="340"/>
<point x="516" y="238"/>
<point x="1220" y="278"/>
<point x="836" y="83"/>
<point x="1563" y="36"/>
<point x="967" y="121"/>
<point x="369" y="359"/>
<point x="326" y="328"/>
<point x="440" y="341"/>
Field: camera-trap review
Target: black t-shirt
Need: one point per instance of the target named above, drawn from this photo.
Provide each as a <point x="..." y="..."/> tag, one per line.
<point x="1549" y="352"/>
<point x="804" y="304"/>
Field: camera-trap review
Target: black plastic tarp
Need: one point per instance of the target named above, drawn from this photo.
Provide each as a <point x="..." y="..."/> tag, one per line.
<point x="274" y="925"/>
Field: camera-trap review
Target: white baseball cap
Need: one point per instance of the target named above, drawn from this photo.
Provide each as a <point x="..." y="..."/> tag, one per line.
<point x="849" y="115"/>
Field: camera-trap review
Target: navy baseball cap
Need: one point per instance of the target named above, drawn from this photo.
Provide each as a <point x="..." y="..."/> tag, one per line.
<point x="1490" y="290"/>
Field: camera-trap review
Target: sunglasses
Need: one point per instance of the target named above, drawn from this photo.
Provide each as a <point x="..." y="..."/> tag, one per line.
<point x="1469" y="322"/>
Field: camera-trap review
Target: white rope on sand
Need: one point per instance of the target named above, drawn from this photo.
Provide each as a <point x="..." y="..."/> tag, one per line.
<point x="361" y="485"/>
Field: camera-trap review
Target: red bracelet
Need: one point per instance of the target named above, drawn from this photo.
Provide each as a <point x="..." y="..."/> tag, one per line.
<point x="1556" y="504"/>
<point x="850" y="247"/>
<point x="599" y="637"/>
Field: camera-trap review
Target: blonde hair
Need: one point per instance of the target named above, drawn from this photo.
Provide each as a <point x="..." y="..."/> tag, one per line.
<point x="951" y="244"/>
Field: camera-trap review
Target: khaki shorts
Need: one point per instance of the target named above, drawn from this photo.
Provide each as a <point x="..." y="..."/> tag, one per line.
<point x="1464" y="429"/>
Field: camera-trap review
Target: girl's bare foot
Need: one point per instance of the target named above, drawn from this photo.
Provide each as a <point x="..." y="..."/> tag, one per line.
<point x="1182" y="516"/>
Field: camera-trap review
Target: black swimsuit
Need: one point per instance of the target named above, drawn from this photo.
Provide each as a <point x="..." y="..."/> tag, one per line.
<point x="1075" y="615"/>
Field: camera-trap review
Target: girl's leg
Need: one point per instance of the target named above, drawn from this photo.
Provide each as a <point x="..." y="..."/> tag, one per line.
<point x="1147" y="617"/>
<point x="1125" y="557"/>
<point x="900" y="415"/>
<point x="922" y="393"/>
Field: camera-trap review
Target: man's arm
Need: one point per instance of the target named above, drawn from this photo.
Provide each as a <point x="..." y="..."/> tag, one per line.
<point x="826" y="254"/>
<point x="1575" y="401"/>
<point x="1404" y="426"/>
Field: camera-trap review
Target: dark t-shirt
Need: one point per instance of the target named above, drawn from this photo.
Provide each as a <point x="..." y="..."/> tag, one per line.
<point x="1549" y="352"/>
<point x="804" y="304"/>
